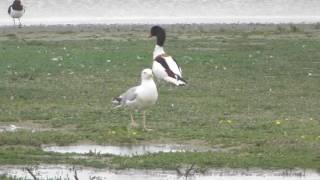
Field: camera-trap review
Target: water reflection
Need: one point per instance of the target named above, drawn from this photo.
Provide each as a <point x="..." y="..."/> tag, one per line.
<point x="130" y="150"/>
<point x="66" y="172"/>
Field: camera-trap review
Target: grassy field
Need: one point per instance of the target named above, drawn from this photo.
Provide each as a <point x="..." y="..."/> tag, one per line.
<point x="254" y="90"/>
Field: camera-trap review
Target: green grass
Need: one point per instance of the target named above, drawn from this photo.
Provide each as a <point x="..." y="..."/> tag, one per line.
<point x="256" y="92"/>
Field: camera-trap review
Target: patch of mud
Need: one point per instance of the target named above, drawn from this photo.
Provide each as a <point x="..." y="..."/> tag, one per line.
<point x="68" y="172"/>
<point x="129" y="150"/>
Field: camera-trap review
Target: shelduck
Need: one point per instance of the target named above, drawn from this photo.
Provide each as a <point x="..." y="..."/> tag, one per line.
<point x="165" y="67"/>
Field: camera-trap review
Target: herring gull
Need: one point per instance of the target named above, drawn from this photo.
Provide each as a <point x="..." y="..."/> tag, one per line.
<point x="139" y="97"/>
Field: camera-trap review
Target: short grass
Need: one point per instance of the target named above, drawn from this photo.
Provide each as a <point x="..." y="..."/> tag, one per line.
<point x="253" y="91"/>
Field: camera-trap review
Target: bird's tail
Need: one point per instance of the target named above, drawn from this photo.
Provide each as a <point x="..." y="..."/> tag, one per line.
<point x="181" y="82"/>
<point x="116" y="101"/>
<point x="178" y="81"/>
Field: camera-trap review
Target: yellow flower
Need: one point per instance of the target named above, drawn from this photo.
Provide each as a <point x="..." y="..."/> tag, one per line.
<point x="113" y="132"/>
<point x="134" y="133"/>
<point x="229" y="121"/>
<point x="278" y="122"/>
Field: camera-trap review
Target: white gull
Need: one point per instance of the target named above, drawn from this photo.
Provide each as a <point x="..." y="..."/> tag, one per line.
<point x="139" y="97"/>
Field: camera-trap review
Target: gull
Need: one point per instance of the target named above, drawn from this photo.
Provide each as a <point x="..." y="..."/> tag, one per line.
<point x="139" y="97"/>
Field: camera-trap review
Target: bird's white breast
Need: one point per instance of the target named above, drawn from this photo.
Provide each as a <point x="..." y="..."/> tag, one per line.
<point x="147" y="93"/>
<point x="16" y="14"/>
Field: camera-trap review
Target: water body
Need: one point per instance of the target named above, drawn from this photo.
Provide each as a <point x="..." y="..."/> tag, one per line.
<point x="130" y="150"/>
<point x="164" y="11"/>
<point x="67" y="172"/>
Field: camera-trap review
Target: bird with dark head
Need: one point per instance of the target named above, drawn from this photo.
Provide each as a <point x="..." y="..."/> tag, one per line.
<point x="160" y="33"/>
<point x="165" y="67"/>
<point x="16" y="11"/>
<point x="16" y="5"/>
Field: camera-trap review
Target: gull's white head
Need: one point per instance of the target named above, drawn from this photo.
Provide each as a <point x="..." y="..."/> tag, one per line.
<point x="146" y="74"/>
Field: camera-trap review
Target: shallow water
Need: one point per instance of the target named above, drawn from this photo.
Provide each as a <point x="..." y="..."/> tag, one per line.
<point x="130" y="150"/>
<point x="67" y="172"/>
<point x="164" y="11"/>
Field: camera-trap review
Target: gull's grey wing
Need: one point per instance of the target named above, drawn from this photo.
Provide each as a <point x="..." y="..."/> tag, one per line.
<point x="129" y="95"/>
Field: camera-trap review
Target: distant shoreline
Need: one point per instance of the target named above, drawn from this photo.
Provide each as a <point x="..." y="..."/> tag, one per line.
<point x="137" y="27"/>
<point x="165" y="20"/>
<point x="117" y="31"/>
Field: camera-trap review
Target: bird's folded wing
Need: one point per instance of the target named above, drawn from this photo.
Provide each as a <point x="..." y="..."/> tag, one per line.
<point x="129" y="96"/>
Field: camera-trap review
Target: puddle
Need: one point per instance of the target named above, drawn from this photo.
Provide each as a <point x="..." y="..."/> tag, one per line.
<point x="131" y="150"/>
<point x="63" y="172"/>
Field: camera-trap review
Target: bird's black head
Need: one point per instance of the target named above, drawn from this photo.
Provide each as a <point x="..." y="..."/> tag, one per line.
<point x="160" y="33"/>
<point x="17" y="2"/>
<point x="16" y="5"/>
